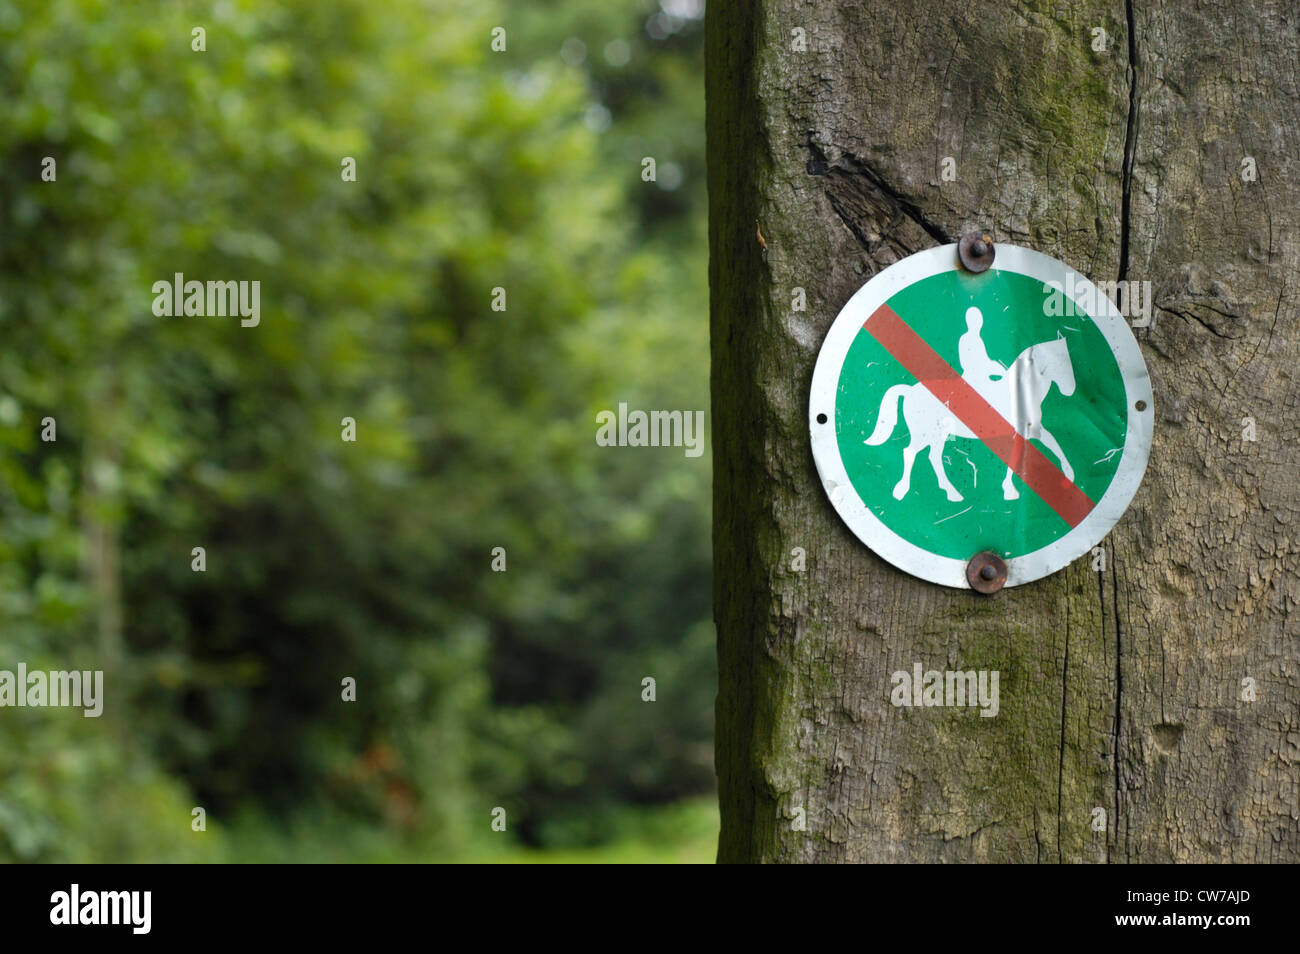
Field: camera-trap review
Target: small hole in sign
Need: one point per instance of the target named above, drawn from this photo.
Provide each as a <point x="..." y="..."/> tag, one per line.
<point x="821" y="418"/>
<point x="1141" y="405"/>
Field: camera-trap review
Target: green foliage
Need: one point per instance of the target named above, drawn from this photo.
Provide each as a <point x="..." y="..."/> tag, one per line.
<point x="475" y="428"/>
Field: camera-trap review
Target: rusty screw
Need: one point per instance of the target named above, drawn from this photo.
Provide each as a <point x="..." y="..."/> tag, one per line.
<point x="986" y="572"/>
<point x="975" y="251"/>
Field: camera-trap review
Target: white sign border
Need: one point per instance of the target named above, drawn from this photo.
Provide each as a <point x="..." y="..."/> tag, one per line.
<point x="908" y="556"/>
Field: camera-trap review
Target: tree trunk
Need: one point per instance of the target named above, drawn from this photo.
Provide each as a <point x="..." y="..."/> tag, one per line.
<point x="1121" y="689"/>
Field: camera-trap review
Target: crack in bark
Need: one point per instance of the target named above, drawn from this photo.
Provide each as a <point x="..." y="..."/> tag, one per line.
<point x="1119" y="649"/>
<point x="1038" y="843"/>
<point x="848" y="165"/>
<point x="1130" y="143"/>
<point x="858" y="234"/>
<point x="1101" y="602"/>
<point x="1125" y="226"/>
<point x="1186" y="314"/>
<point x="1060" y="766"/>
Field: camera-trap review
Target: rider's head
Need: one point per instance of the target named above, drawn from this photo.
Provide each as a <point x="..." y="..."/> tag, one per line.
<point x="974" y="319"/>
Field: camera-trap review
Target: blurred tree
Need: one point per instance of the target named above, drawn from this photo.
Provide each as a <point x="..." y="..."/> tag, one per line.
<point x="475" y="429"/>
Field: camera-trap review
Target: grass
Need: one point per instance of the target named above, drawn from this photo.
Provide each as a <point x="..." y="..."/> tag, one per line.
<point x="682" y="833"/>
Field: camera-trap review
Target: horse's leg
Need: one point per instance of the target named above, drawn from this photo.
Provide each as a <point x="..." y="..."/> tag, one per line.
<point x="1046" y="437"/>
<point x="1009" y="491"/>
<point x="936" y="461"/>
<point x="909" y="455"/>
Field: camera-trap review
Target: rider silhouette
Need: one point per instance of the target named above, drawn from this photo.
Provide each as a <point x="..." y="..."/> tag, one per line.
<point x="976" y="365"/>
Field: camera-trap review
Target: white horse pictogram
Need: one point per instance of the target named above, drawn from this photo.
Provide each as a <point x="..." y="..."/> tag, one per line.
<point x="1016" y="393"/>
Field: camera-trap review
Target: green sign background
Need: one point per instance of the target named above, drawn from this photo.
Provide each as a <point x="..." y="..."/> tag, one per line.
<point x="1089" y="424"/>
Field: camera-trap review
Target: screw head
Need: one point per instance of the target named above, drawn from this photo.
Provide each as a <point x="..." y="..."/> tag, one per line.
<point x="986" y="572"/>
<point x="975" y="251"/>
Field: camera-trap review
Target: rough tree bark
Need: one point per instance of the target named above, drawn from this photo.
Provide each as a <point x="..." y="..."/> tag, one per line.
<point x="1121" y="689"/>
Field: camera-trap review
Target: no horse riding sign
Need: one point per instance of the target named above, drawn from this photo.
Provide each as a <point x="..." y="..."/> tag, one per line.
<point x="976" y="424"/>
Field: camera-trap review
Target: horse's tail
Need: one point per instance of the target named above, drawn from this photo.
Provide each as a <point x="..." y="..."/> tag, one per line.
<point x="888" y="414"/>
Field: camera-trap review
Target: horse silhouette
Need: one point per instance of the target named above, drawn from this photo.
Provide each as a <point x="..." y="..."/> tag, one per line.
<point x="1018" y="397"/>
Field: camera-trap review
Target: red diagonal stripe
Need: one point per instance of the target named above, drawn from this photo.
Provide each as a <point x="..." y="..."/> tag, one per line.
<point x="1043" y="477"/>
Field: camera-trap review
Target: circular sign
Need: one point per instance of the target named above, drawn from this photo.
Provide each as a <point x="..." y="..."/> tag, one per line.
<point x="955" y="414"/>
